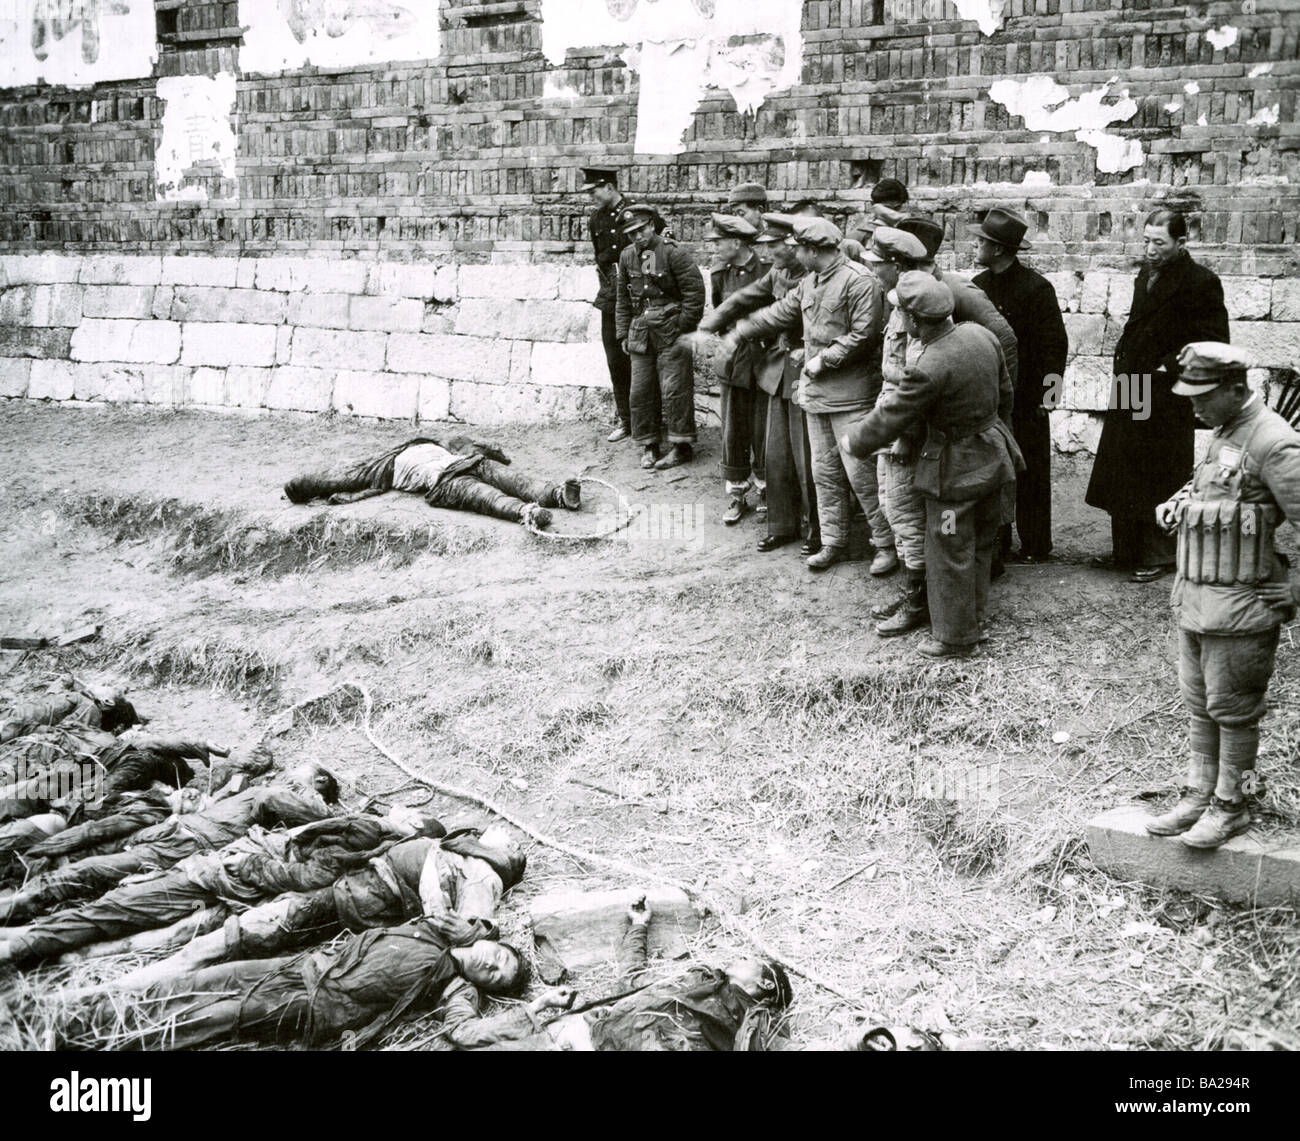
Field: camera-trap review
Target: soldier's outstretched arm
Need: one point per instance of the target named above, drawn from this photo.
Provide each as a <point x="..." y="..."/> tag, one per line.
<point x="753" y="296"/>
<point x="895" y="411"/>
<point x="784" y="314"/>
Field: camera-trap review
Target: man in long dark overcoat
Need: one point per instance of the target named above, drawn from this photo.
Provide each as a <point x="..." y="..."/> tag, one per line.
<point x="1145" y="453"/>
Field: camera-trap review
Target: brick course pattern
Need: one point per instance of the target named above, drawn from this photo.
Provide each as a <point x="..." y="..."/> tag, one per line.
<point x="407" y="239"/>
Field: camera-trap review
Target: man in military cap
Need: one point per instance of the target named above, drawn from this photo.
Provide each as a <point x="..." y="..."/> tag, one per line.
<point x="840" y="307"/>
<point x="961" y="390"/>
<point x="1232" y="593"/>
<point x="1029" y="303"/>
<point x="660" y="296"/>
<point x="791" y="497"/>
<point x="1147" y="440"/>
<point x="744" y="402"/>
<point x="912" y="245"/>
<point x="888" y="198"/>
<point x="608" y="240"/>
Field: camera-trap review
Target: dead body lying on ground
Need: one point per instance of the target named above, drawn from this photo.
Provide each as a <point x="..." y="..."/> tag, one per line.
<point x="356" y="989"/>
<point x="464" y="874"/>
<point x="306" y="795"/>
<point x="455" y="473"/>
<point x="736" y="1007"/>
<point x="69" y="702"/>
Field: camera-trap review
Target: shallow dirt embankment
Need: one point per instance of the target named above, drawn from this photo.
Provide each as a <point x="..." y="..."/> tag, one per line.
<point x="674" y="698"/>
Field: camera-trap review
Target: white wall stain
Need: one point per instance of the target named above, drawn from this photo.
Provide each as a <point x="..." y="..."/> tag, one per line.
<point x="75" y="43"/>
<point x="289" y="34"/>
<point x="1191" y="87"/>
<point x="1223" y="37"/>
<point x="1173" y="107"/>
<point x="749" y="48"/>
<point x="1265" y="116"/>
<point x="1258" y="70"/>
<point x="1035" y="179"/>
<point x="986" y="13"/>
<point x="1047" y="106"/>
<point x="196" y="131"/>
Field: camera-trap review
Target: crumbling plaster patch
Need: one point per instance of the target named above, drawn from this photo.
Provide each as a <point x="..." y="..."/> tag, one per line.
<point x="196" y="128"/>
<point x="680" y="49"/>
<point x="1047" y="106"/>
<point x="290" y="34"/>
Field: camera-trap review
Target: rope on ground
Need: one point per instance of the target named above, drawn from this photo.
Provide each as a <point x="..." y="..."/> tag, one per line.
<point x="728" y="921"/>
<point x="632" y="513"/>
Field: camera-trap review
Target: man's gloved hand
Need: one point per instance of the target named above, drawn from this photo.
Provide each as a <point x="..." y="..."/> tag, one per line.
<point x="692" y="341"/>
<point x="456" y="931"/>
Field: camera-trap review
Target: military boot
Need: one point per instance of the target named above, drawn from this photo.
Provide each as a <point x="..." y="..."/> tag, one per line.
<point x="736" y="509"/>
<point x="827" y="557"/>
<point x="885" y="562"/>
<point x="1189" y="809"/>
<point x="886" y="609"/>
<point x="1220" y="822"/>
<point x="914" y="611"/>
<point x="649" y="456"/>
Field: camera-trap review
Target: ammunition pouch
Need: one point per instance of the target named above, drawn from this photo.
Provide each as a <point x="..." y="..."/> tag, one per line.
<point x="1226" y="543"/>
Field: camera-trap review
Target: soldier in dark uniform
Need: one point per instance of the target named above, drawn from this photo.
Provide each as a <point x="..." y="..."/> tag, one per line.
<point x="608" y="240"/>
<point x="1141" y="461"/>
<point x="961" y="389"/>
<point x="660" y="296"/>
<point x="1232" y="593"/>
<point x="1029" y="303"/>
<point x="791" y="495"/>
<point x="744" y="403"/>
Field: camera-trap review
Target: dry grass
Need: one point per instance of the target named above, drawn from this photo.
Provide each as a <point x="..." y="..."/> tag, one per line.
<point x="204" y="542"/>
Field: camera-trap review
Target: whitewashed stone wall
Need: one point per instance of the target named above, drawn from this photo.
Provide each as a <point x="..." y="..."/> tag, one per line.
<point x="481" y="343"/>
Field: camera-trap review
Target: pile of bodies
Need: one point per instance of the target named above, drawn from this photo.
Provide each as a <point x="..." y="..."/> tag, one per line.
<point x="275" y="913"/>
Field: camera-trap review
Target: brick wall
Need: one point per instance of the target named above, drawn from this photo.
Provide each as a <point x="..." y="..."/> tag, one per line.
<point x="419" y="220"/>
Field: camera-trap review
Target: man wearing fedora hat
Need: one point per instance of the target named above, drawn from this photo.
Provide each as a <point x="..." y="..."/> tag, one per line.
<point x="660" y="296"/>
<point x="608" y="241"/>
<point x="1232" y="592"/>
<point x="1029" y="303"/>
<point x="743" y="402"/>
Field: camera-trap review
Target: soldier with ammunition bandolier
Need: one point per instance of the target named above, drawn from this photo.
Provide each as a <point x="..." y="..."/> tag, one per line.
<point x="660" y="297"/>
<point x="1232" y="592"/>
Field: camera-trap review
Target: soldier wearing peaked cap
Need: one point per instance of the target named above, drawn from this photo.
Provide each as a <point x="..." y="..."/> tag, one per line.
<point x="744" y="401"/>
<point x="608" y="241"/>
<point x="840" y="307"/>
<point x="1232" y="592"/>
<point x="960" y="390"/>
<point x="660" y="296"/>
<point x="791" y="499"/>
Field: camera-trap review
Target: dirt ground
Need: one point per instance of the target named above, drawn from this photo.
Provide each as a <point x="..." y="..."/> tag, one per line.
<point x="910" y="831"/>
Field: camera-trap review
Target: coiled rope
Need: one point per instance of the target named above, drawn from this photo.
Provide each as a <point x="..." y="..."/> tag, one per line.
<point x="629" y="513"/>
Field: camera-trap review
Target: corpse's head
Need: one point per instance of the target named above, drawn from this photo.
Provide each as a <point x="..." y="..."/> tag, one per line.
<point x="1164" y="237"/>
<point x="752" y="212"/>
<point x="495" y="968"/>
<point x="767" y="982"/>
<point x="318" y="779"/>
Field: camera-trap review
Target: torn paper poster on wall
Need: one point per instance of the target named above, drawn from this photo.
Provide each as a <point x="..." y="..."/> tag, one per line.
<point x="1222" y="38"/>
<point x="986" y="13"/>
<point x="1047" y="106"/>
<point x="195" y="157"/>
<point x="681" y="49"/>
<point x="290" y="34"/>
<point x="75" y="42"/>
